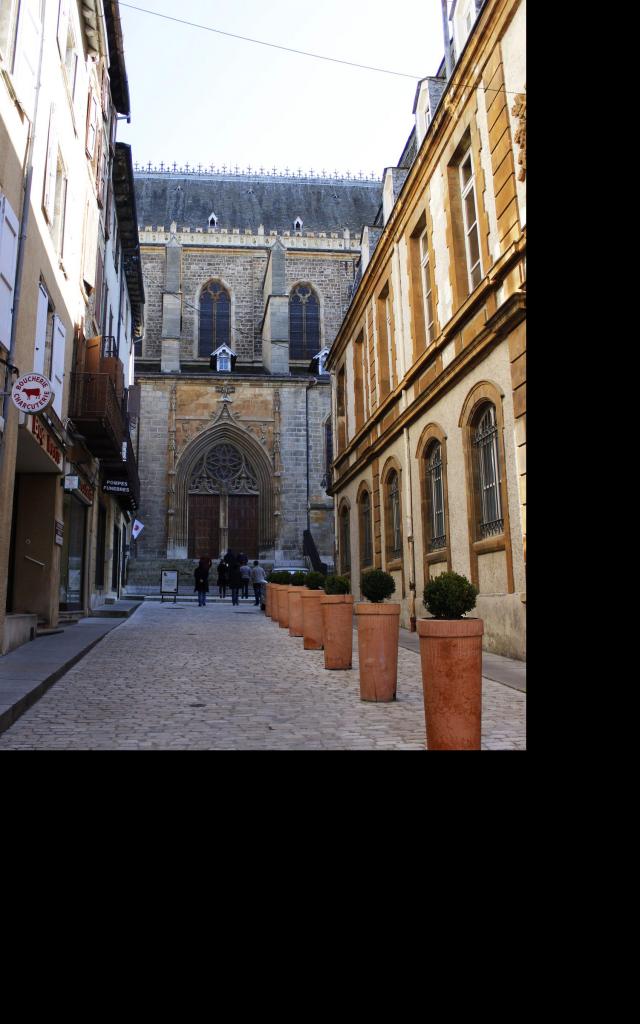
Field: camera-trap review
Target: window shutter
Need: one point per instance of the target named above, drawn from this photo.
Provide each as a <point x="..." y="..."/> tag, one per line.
<point x="57" y="363"/>
<point x="51" y="168"/>
<point x="90" y="246"/>
<point x="63" y="23"/>
<point x="9" y="229"/>
<point x="41" y="331"/>
<point x="25" y="65"/>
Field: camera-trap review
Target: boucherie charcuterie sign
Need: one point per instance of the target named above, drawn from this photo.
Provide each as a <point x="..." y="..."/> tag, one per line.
<point x="32" y="393"/>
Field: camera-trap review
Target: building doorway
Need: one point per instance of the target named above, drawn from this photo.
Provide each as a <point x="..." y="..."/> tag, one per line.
<point x="223" y="508"/>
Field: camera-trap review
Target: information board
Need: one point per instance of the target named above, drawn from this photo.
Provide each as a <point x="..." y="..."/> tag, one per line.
<point x="168" y="583"/>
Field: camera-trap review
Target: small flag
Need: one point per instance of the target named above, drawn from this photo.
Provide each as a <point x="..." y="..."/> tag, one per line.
<point x="136" y="529"/>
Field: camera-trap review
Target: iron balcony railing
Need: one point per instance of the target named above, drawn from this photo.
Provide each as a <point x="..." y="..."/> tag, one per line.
<point x="96" y="412"/>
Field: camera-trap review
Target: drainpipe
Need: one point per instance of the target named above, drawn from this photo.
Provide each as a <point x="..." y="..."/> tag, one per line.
<point x="24" y="219"/>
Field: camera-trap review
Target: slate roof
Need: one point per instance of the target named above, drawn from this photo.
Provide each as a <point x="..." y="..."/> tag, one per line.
<point x="248" y="201"/>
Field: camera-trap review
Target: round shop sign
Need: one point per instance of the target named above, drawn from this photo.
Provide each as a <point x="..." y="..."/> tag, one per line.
<point x="32" y="393"/>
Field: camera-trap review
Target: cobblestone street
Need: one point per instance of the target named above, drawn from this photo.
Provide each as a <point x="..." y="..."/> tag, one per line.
<point x="181" y="677"/>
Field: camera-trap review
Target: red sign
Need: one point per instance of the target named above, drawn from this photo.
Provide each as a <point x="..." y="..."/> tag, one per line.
<point x="44" y="439"/>
<point x="86" y="490"/>
<point x="32" y="393"/>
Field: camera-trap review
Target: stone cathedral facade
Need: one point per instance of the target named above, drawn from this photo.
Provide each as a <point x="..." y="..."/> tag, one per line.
<point x="247" y="279"/>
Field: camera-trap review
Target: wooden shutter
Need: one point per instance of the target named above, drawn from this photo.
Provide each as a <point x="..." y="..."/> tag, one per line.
<point x="63" y="24"/>
<point x="41" y="331"/>
<point x="90" y="245"/>
<point x="51" y="168"/>
<point x="57" y="362"/>
<point x="9" y="228"/>
<point x="27" y="54"/>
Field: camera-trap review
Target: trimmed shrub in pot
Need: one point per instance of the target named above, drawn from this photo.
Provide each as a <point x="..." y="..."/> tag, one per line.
<point x="451" y="659"/>
<point x="337" y="585"/>
<point x="449" y="596"/>
<point x="311" y="611"/>
<point x="281" y="604"/>
<point x="378" y="634"/>
<point x="337" y="622"/>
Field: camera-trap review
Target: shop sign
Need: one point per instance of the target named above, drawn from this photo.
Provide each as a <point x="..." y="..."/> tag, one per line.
<point x="59" y="531"/>
<point x="44" y="439"/>
<point x="116" y="487"/>
<point x="32" y="393"/>
<point x="70" y="482"/>
<point x="136" y="529"/>
<point x="86" y="490"/>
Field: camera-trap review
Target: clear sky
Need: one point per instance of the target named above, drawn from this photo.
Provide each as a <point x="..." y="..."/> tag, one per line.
<point x="200" y="97"/>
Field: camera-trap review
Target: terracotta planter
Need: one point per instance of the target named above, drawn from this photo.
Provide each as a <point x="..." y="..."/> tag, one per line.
<point x="273" y="601"/>
<point x="312" y="619"/>
<point x="337" y="629"/>
<point x="378" y="635"/>
<point x="451" y="657"/>
<point x="267" y="599"/>
<point x="295" y="611"/>
<point x="283" y="606"/>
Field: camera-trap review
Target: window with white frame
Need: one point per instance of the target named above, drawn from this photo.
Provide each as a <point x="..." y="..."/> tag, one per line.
<point x="470" y="215"/>
<point x="71" y="63"/>
<point x="92" y="126"/>
<point x="427" y="287"/>
<point x="60" y="206"/>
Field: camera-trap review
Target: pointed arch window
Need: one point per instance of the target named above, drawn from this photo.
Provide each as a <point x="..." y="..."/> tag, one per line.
<point x="215" y="318"/>
<point x="304" y="322"/>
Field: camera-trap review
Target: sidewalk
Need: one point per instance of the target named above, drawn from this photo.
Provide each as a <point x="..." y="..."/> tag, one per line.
<point x="27" y="672"/>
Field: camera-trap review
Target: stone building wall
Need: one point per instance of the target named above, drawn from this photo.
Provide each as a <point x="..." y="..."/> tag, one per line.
<point x="243" y="273"/>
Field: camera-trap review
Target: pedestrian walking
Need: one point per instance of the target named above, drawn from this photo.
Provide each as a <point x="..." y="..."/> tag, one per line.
<point x="234" y="578"/>
<point x="258" y="578"/>
<point x="223" y="570"/>
<point x="201" y="577"/>
<point x="245" y="573"/>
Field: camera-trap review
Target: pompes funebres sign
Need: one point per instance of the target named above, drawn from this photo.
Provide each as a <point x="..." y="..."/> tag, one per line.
<point x="32" y="393"/>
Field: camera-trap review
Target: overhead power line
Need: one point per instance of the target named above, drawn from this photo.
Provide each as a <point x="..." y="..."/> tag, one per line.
<point x="275" y="46"/>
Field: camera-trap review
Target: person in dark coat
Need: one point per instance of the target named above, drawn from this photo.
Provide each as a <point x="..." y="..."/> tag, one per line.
<point x="223" y="570"/>
<point x="201" y="577"/>
<point x="235" y="579"/>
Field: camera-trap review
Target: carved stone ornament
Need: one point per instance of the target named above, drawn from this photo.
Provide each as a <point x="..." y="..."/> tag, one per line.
<point x="223" y="470"/>
<point x="519" y="110"/>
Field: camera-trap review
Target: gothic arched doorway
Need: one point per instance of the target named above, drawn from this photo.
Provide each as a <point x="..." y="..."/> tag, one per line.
<point x="223" y="504"/>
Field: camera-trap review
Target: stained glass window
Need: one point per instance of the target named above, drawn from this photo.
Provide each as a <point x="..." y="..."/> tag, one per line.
<point x="215" y="318"/>
<point x="304" y="323"/>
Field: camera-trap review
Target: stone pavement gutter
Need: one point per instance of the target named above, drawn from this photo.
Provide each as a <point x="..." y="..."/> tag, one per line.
<point x="27" y="672"/>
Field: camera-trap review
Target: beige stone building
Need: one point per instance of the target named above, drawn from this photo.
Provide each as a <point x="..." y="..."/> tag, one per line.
<point x="66" y="195"/>
<point x="429" y="365"/>
<point x="247" y="278"/>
